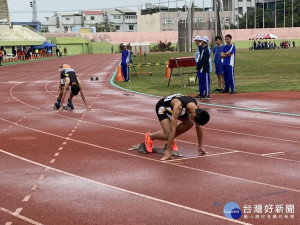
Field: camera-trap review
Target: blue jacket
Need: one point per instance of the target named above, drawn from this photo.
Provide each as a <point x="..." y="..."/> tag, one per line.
<point x="204" y="63"/>
<point x="126" y="57"/>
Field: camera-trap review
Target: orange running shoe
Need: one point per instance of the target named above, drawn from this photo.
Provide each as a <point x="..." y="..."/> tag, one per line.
<point x="174" y="146"/>
<point x="148" y="142"/>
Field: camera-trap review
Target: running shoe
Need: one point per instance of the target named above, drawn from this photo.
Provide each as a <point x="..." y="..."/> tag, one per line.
<point x="148" y="143"/>
<point x="70" y="104"/>
<point x="174" y="146"/>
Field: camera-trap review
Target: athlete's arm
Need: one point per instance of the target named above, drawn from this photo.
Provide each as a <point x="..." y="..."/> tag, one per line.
<point x="82" y="94"/>
<point x="64" y="93"/>
<point x="200" y="139"/>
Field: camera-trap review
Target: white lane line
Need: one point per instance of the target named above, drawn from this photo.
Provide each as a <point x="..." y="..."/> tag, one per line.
<point x="46" y="169"/>
<point x="41" y="177"/>
<point x="75" y="127"/>
<point x="56" y="154"/>
<point x="273" y="153"/>
<point x="18" y="211"/>
<point x="4" y="130"/>
<point x="8" y="223"/>
<point x="203" y="156"/>
<point x="52" y="160"/>
<point x="70" y="134"/>
<point x="60" y="148"/>
<point x="34" y="187"/>
<point x="10" y="126"/>
<point x="130" y="131"/>
<point x="142" y="157"/>
<point x="129" y="192"/>
<point x="73" y="131"/>
<point x="64" y="143"/>
<point x="26" y="198"/>
<point x="26" y="219"/>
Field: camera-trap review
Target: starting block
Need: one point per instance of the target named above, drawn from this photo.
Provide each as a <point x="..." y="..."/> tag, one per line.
<point x="142" y="149"/>
<point x="67" y="108"/>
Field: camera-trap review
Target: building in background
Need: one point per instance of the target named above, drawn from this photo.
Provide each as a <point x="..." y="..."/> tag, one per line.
<point x="67" y="22"/>
<point x="4" y="13"/>
<point x="124" y="20"/>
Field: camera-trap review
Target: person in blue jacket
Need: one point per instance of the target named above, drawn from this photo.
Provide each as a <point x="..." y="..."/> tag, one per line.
<point x="228" y="57"/>
<point x="125" y="60"/>
<point x="204" y="68"/>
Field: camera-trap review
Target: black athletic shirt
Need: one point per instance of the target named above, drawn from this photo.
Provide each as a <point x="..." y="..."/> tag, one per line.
<point x="164" y="105"/>
<point x="69" y="72"/>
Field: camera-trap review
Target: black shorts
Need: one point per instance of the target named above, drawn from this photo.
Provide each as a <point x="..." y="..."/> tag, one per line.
<point x="163" y="112"/>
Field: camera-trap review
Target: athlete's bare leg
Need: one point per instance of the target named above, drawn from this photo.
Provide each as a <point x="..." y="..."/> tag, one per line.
<point x="187" y="123"/>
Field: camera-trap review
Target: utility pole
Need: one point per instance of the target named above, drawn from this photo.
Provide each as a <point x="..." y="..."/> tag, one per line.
<point x="34" y="10"/>
<point x="284" y="13"/>
<point x="292" y="13"/>
<point x="263" y="2"/>
<point x="275" y="13"/>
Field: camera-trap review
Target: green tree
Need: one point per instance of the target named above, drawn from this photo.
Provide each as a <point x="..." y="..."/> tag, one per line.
<point x="105" y="27"/>
<point x="269" y="15"/>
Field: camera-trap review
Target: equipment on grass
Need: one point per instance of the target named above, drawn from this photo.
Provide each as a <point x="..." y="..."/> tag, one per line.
<point x="192" y="80"/>
<point x="142" y="149"/>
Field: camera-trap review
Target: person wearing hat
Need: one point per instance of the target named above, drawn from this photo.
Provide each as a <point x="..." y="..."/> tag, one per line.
<point x="126" y="57"/>
<point x="204" y="68"/>
<point x="198" y="40"/>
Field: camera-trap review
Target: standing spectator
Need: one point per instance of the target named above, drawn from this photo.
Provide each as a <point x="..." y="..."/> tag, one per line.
<point x="57" y="52"/>
<point x="294" y="44"/>
<point x="65" y="51"/>
<point x="254" y="45"/>
<point x="1" y="55"/>
<point x="126" y="57"/>
<point x="218" y="63"/>
<point x="198" y="41"/>
<point x="204" y="69"/>
<point x="112" y="49"/>
<point x="228" y="56"/>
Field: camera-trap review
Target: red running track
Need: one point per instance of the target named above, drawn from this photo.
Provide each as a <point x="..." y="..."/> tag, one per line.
<point x="75" y="167"/>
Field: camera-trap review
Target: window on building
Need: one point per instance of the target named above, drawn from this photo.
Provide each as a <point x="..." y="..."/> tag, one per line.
<point x="66" y="29"/>
<point x="248" y="9"/>
<point x="212" y="19"/>
<point x="92" y="18"/>
<point x="131" y="27"/>
<point x="84" y="18"/>
<point x="227" y="20"/>
<point x="167" y="21"/>
<point x="132" y="17"/>
<point x="67" y="18"/>
<point x="241" y="10"/>
<point x="199" y="20"/>
<point x="117" y="17"/>
<point x="240" y="0"/>
<point x="118" y="27"/>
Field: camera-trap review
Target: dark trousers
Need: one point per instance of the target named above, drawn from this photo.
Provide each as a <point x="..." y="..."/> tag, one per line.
<point x="229" y="77"/>
<point x="125" y="70"/>
<point x="204" y="83"/>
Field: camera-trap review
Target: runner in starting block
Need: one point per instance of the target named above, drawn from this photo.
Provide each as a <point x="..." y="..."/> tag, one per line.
<point x="68" y="78"/>
<point x="171" y="109"/>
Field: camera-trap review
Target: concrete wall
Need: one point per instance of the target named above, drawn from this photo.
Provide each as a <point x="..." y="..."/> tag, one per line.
<point x="154" y="37"/>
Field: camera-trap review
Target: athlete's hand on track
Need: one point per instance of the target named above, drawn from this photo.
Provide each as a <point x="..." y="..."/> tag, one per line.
<point x="88" y="108"/>
<point x="201" y="150"/>
<point x="60" y="109"/>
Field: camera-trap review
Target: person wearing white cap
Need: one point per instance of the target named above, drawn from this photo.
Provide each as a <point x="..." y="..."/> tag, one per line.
<point x="197" y="40"/>
<point x="204" y="69"/>
<point x="126" y="57"/>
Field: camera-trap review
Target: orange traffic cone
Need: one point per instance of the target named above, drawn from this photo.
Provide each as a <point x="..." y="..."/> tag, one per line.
<point x="119" y="77"/>
<point x="167" y="72"/>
